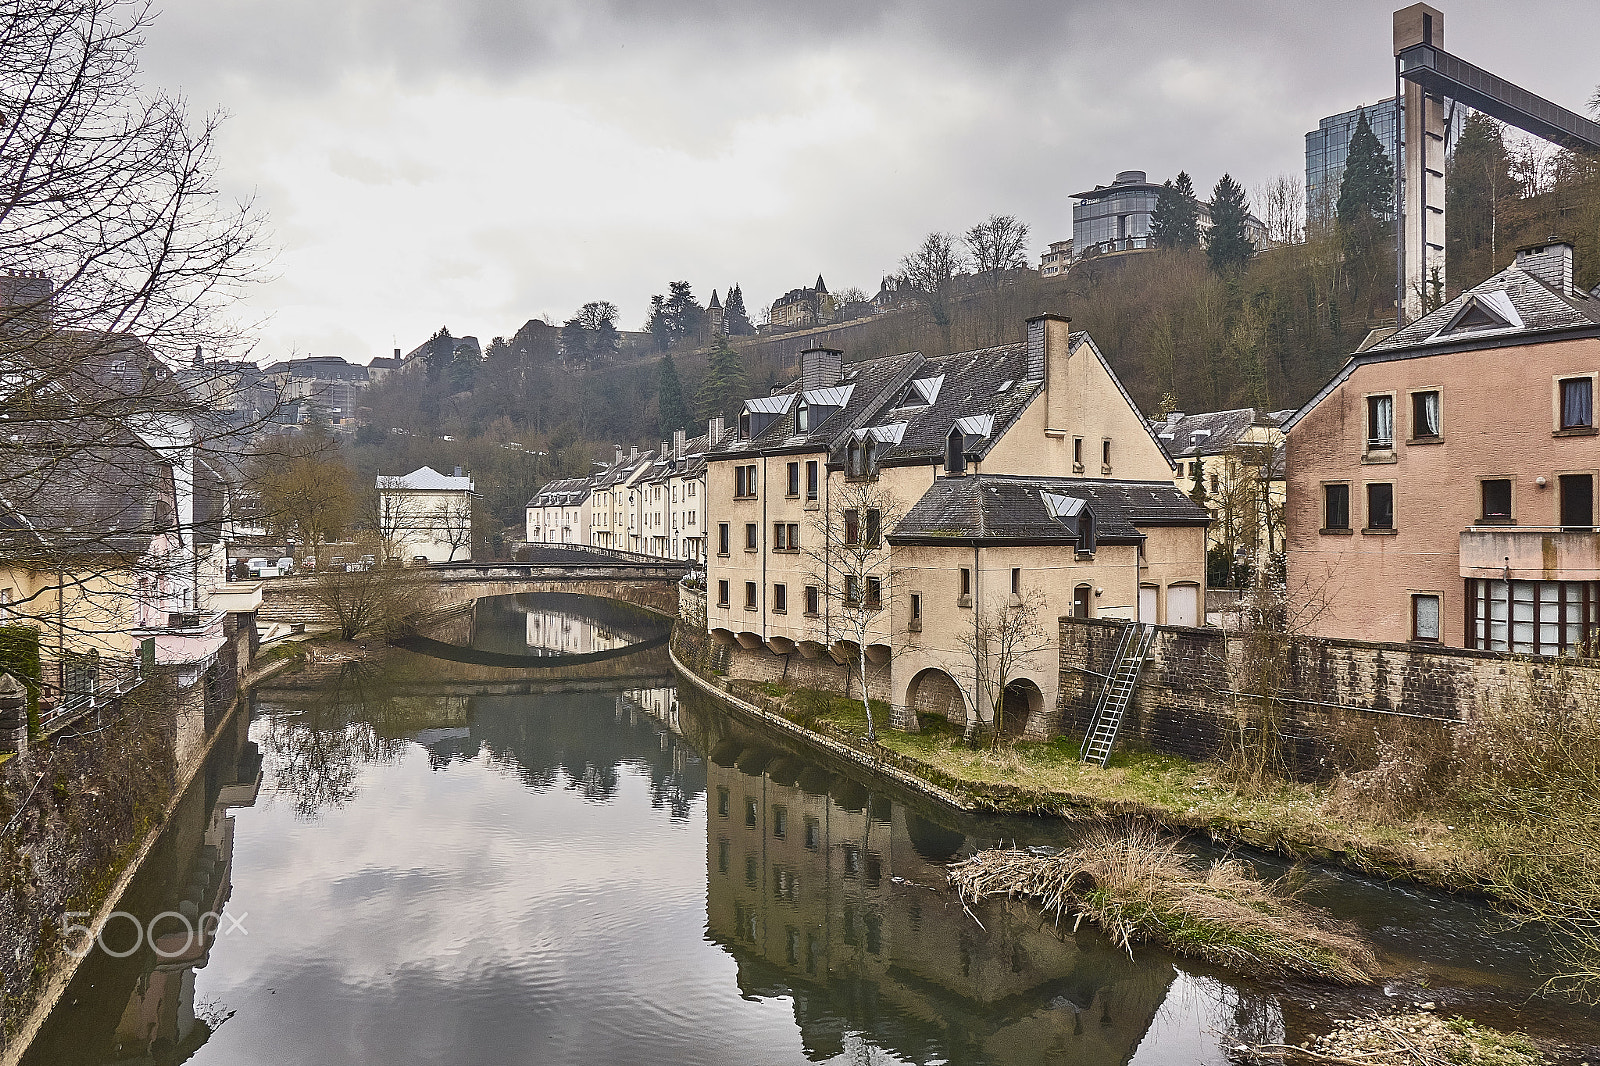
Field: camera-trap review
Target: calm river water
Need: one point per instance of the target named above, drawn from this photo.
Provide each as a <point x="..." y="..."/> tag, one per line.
<point x="435" y="861"/>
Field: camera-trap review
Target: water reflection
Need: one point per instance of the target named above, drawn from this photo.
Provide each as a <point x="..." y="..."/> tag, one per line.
<point x="456" y="862"/>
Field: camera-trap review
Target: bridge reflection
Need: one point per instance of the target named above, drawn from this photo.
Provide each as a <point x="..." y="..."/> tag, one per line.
<point x="541" y="630"/>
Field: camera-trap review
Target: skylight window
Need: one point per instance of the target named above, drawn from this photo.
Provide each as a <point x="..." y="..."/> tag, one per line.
<point x="1006" y="385"/>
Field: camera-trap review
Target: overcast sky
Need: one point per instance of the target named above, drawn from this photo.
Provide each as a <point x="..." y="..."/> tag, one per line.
<point x="476" y="163"/>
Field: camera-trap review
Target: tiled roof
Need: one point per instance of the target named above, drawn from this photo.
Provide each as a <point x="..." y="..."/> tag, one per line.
<point x="1210" y="433"/>
<point x="1015" y="509"/>
<point x="863" y="388"/>
<point x="565" y="492"/>
<point x="964" y="386"/>
<point x="106" y="496"/>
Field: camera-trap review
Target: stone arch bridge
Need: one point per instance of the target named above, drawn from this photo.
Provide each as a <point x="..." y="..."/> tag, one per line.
<point x="642" y="580"/>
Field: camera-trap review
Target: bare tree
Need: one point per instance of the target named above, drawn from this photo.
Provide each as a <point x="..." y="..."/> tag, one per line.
<point x="996" y="245"/>
<point x="452" y="522"/>
<point x="377" y="599"/>
<point x="1008" y="635"/>
<point x="929" y="275"/>
<point x="849" y="559"/>
<point x="1283" y="205"/>
<point x="305" y="490"/>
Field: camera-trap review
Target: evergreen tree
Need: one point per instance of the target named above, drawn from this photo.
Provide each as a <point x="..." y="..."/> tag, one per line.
<point x="574" y="342"/>
<point x="725" y="383"/>
<point x="1227" y="247"/>
<point x="439" y="353"/>
<point x="674" y="415"/>
<point x="686" y="314"/>
<point x="1175" y="223"/>
<point x="658" y="325"/>
<point x="734" y="317"/>
<point x="1480" y="188"/>
<point x="1366" y="191"/>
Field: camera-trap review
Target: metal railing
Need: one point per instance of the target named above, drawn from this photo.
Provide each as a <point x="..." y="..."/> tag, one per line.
<point x="81" y="684"/>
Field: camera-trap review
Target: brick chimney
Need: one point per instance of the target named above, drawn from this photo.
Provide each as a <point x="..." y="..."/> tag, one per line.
<point x="633" y="452"/>
<point x="1550" y="262"/>
<point x="714" y="431"/>
<point x="680" y="441"/>
<point x="618" y="461"/>
<point x="820" y="367"/>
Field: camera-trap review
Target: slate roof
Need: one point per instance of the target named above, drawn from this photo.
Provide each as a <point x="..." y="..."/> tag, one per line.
<point x="564" y="492"/>
<point x="1535" y="309"/>
<point x="872" y="380"/>
<point x="619" y="473"/>
<point x="1211" y="433"/>
<point x="693" y="463"/>
<point x="1004" y="509"/>
<point x="112" y="496"/>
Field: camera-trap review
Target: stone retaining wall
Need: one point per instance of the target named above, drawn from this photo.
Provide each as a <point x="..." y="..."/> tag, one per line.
<point x="1198" y="689"/>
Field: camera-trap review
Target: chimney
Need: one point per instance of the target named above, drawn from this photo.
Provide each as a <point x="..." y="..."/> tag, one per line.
<point x="714" y="431"/>
<point x="619" y="456"/>
<point x="633" y="452"/>
<point x="397" y="355"/>
<point x="679" y="443"/>
<point x="1550" y="262"/>
<point x="819" y="367"/>
<point x="1049" y="344"/>
<point x="662" y="454"/>
<point x="458" y="472"/>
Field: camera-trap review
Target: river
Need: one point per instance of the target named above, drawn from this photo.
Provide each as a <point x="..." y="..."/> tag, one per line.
<point x="438" y="860"/>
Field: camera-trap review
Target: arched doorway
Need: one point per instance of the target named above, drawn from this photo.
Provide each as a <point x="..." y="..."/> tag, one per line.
<point x="933" y="691"/>
<point x="1082" y="601"/>
<point x="1022" y="710"/>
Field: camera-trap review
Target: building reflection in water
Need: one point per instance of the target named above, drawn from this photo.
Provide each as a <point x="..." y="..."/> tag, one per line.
<point x="831" y="894"/>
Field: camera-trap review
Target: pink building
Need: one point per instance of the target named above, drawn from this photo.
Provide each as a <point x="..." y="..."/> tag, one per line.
<point x="1441" y="486"/>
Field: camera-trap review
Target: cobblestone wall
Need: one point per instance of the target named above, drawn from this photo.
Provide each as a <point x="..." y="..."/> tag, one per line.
<point x="1198" y="688"/>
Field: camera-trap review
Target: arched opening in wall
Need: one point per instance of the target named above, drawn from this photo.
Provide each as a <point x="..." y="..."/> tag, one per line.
<point x="933" y="691"/>
<point x="1083" y="601"/>
<point x="1183" y="605"/>
<point x="1022" y="709"/>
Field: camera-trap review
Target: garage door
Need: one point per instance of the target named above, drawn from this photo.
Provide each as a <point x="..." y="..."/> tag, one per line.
<point x="1183" y="605"/>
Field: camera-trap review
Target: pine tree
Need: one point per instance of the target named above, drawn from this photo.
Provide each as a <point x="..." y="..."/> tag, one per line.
<point x="441" y="349"/>
<point x="1175" y="223"/>
<point x="1227" y="247"/>
<point x="674" y="415"/>
<point x="1366" y="191"/>
<point x="735" y="319"/>
<point x="725" y="383"/>
<point x="1479" y="186"/>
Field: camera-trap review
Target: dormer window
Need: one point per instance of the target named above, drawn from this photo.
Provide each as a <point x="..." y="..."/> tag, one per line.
<point x="869" y="458"/>
<point x="744" y="425"/>
<point x="852" y="458"/>
<point x="955" y="453"/>
<point x="802" y="418"/>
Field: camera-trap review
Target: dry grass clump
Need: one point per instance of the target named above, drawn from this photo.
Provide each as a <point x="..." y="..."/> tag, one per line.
<point x="1416" y="1039"/>
<point x="1139" y="887"/>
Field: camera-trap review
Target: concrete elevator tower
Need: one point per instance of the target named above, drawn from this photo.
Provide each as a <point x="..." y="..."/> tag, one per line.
<point x="1420" y="198"/>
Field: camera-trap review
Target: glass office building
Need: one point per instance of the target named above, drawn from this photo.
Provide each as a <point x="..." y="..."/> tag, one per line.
<point x="1329" y="143"/>
<point x="1115" y="217"/>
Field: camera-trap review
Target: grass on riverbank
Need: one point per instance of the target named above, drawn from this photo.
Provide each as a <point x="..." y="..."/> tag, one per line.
<point x="1420" y="1038"/>
<point x="1138" y="888"/>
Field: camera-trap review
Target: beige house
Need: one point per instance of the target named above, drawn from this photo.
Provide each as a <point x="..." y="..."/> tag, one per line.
<point x="912" y="454"/>
<point x="559" y="512"/>
<point x="1231" y="463"/>
<point x="615" y="504"/>
<point x="1441" y="486"/>
<point x="673" y="499"/>
<point x="426" y="515"/>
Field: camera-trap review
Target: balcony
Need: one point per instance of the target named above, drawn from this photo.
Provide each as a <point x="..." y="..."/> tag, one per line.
<point x="1531" y="553"/>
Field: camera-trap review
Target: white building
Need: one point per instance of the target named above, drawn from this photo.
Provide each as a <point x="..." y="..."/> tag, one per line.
<point x="559" y="512"/>
<point x="426" y="514"/>
<point x="672" y="500"/>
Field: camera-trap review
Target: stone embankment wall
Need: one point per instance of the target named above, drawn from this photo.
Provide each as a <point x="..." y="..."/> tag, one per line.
<point x="1200" y="687"/>
<point x="294" y="599"/>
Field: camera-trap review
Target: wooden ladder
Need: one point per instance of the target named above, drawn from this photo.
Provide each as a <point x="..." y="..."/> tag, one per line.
<point x="1132" y="650"/>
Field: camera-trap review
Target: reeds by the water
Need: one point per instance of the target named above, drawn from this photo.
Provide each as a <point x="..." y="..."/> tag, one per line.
<point x="1138" y="887"/>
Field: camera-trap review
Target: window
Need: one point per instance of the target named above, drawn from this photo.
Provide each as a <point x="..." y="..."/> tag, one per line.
<point x="794" y="536"/>
<point x="722" y="538"/>
<point x="744" y="481"/>
<point x="850" y="588"/>
<point x="749" y="595"/>
<point x="852" y="526"/>
<point x="780" y="537"/>
<point x="780" y="599"/>
<point x="722" y="802"/>
<point x="811" y="599"/>
<point x="916" y="610"/>
<point x="690" y="491"/>
<point x="794" y="479"/>
<point x="1424" y="618"/>
<point x="1105" y="453"/>
<point x="1016" y="581"/>
<point x="1497" y="499"/>
<point x="1077" y="454"/>
<point x="744" y="425"/>
<point x="811" y="479"/>
<point x="852" y="458"/>
<point x="1425" y="415"/>
<point x="1380" y="423"/>
<point x="955" y="452"/>
<point x="966" y="583"/>
<point x="813" y="834"/>
<point x="874" y="521"/>
<point x="1380" y="506"/>
<point x="1336" y="507"/>
<point x="722" y="594"/>
<point x="802" y="417"/>
<point x="1577" y="403"/>
<point x="1214" y="484"/>
<point x="1577" y="500"/>
<point x="874" y="591"/>
<point x="780" y="821"/>
<point x="750" y="539"/>
<point x="738" y="481"/>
